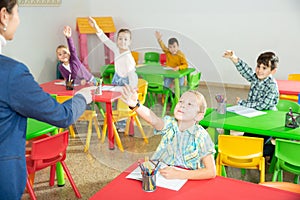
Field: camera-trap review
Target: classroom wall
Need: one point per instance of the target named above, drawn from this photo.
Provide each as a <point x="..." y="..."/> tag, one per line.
<point x="205" y="29"/>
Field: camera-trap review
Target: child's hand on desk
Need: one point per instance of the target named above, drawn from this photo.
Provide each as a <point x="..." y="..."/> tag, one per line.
<point x="169" y="172"/>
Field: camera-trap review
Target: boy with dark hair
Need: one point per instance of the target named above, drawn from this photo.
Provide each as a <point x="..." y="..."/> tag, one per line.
<point x="174" y="57"/>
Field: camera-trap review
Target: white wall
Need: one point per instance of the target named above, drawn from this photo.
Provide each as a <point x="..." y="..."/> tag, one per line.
<point x="205" y="29"/>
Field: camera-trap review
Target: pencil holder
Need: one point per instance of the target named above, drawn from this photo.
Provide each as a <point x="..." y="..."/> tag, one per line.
<point x="149" y="182"/>
<point x="69" y="85"/>
<point x="292" y="120"/>
<point x="221" y="107"/>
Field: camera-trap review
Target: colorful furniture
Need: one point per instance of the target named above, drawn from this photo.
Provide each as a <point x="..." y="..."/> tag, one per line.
<point x="287" y="96"/>
<point x="123" y="112"/>
<point x="193" y="82"/>
<point x="107" y="72"/>
<point x="156" y="86"/>
<point x="240" y="152"/>
<point x="163" y="59"/>
<point x="136" y="56"/>
<point x="88" y="115"/>
<point x="288" y="159"/>
<point x="45" y="152"/>
<point x="83" y="27"/>
<point x="285" y="105"/>
<point x="153" y="69"/>
<point x="151" y="57"/>
<point x="218" y="188"/>
<point x="287" y="186"/>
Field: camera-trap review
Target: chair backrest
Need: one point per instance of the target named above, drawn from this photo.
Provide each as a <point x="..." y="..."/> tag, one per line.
<point x="285" y="105"/>
<point x="151" y="57"/>
<point x="287" y="152"/>
<point x="155" y="82"/>
<point x="61" y="99"/>
<point x="48" y="150"/>
<point x="135" y="55"/>
<point x="294" y="77"/>
<point x="107" y="72"/>
<point x="240" y="146"/>
<point x="163" y="59"/>
<point x="292" y="187"/>
<point x="194" y="81"/>
<point x="142" y="90"/>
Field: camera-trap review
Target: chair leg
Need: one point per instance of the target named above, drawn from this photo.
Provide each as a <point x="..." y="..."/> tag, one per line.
<point x="274" y="178"/>
<point x="72" y="131"/>
<point x="262" y="171"/>
<point x="30" y="190"/>
<point x="165" y="105"/>
<point x="52" y="175"/>
<point x="127" y="126"/>
<point x="77" y="193"/>
<point x="97" y="127"/>
<point x="117" y="137"/>
<point x="104" y="128"/>
<point x="296" y="179"/>
<point x="138" y="123"/>
<point x="89" y="135"/>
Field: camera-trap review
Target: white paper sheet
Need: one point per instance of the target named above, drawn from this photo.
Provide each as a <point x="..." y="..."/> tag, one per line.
<point x="244" y="111"/>
<point x="172" y="184"/>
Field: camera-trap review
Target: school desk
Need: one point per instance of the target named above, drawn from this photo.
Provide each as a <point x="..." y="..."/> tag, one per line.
<point x="167" y="73"/>
<point x="270" y="124"/>
<point x="218" y="188"/>
<point x="37" y="128"/>
<point x="107" y="97"/>
<point x="288" y="87"/>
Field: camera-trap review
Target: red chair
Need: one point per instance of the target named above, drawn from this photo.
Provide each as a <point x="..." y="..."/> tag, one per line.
<point x="163" y="59"/>
<point x="46" y="151"/>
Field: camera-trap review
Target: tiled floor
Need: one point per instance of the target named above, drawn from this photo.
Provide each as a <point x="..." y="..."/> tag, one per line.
<point x="93" y="170"/>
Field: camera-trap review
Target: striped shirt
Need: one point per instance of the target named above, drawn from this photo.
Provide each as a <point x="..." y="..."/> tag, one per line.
<point x="184" y="149"/>
<point x="263" y="95"/>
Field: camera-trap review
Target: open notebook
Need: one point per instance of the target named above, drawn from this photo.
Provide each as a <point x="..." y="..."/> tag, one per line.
<point x="172" y="184"/>
<point x="244" y="111"/>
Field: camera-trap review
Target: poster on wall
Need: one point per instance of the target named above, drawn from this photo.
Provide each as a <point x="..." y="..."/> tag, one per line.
<point x="39" y="2"/>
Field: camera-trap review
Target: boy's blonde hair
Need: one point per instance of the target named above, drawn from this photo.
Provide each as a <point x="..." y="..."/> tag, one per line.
<point x="63" y="47"/>
<point x="200" y="100"/>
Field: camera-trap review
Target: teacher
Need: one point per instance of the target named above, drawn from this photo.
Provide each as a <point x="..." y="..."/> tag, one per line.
<point x="22" y="97"/>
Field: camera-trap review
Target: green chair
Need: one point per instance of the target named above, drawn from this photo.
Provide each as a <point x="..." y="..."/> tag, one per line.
<point x="288" y="159"/>
<point x="285" y="105"/>
<point x="107" y="73"/>
<point x="151" y="57"/>
<point x="156" y="86"/>
<point x="192" y="83"/>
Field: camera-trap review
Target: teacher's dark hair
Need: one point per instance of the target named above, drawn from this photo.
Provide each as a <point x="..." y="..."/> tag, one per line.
<point x="8" y="4"/>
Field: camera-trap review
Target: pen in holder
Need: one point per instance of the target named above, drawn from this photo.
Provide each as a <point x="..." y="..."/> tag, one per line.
<point x="149" y="170"/>
<point x="221" y="103"/>
<point x="69" y="85"/>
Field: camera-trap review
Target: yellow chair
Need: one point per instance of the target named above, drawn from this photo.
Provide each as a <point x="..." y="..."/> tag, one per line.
<point x="291" y="77"/>
<point x="291" y="187"/>
<point x="240" y="152"/>
<point x="88" y="115"/>
<point x="123" y="112"/>
<point x="135" y="55"/>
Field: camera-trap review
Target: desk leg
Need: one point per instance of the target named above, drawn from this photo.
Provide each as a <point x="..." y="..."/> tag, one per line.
<point x="60" y="175"/>
<point x="110" y="134"/>
<point x="177" y="90"/>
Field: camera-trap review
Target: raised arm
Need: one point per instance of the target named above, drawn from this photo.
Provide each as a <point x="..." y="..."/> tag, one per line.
<point x="130" y="96"/>
<point x="160" y="42"/>
<point x="230" y="55"/>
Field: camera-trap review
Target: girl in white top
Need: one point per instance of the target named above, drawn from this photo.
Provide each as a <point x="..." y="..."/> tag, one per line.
<point x="123" y="59"/>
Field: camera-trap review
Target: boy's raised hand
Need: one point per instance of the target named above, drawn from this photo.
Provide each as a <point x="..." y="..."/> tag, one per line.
<point x="228" y="54"/>
<point x="158" y="35"/>
<point x="129" y="96"/>
<point x="67" y="31"/>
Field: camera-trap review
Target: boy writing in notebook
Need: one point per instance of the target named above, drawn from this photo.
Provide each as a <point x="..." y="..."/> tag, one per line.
<point x="263" y="94"/>
<point x="174" y="57"/>
<point x="184" y="142"/>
